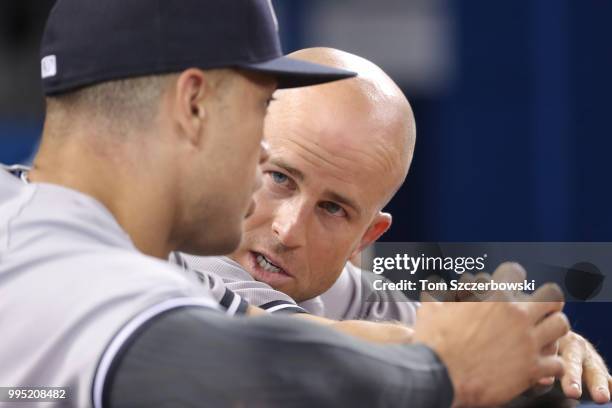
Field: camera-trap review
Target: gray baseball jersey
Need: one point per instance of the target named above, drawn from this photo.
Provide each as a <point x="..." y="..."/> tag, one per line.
<point x="351" y="296"/>
<point x="84" y="310"/>
<point x="72" y="287"/>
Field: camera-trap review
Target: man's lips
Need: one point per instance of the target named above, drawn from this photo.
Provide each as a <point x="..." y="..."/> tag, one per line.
<point x="274" y="261"/>
<point x="267" y="269"/>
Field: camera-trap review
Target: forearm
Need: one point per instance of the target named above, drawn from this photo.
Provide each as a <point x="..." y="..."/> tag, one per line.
<point x="269" y="362"/>
<point x="375" y="332"/>
<point x="382" y="333"/>
<point x="253" y="311"/>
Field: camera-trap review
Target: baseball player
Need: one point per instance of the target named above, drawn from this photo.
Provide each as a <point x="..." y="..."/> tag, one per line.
<point x="145" y="100"/>
<point x="354" y="140"/>
<point x="371" y="111"/>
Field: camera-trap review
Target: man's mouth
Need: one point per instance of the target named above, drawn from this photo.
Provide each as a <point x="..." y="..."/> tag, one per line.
<point x="267" y="270"/>
<point x="266" y="264"/>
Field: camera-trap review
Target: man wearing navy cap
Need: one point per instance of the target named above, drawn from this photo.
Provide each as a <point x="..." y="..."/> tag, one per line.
<point x="145" y="100"/>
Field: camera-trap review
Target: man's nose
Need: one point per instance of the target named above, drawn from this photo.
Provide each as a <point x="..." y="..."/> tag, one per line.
<point x="289" y="225"/>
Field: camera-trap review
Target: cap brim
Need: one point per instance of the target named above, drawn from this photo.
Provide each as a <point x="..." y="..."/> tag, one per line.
<point x="293" y="73"/>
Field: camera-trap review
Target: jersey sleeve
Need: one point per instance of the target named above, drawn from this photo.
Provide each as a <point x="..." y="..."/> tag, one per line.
<point x="231" y="301"/>
<point x="266" y="297"/>
<point x="235" y="279"/>
<point x="193" y="357"/>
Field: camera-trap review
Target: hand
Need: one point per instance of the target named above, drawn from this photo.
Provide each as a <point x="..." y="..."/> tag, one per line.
<point x="481" y="343"/>
<point x="506" y="272"/>
<point x="583" y="364"/>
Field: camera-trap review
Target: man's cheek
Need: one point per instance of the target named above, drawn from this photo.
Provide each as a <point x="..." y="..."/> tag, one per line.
<point x="263" y="214"/>
<point x="250" y="223"/>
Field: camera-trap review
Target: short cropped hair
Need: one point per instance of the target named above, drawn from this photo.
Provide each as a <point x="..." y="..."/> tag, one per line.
<point x="124" y="102"/>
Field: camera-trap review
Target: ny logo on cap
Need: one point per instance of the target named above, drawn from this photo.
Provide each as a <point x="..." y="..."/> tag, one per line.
<point x="48" y="66"/>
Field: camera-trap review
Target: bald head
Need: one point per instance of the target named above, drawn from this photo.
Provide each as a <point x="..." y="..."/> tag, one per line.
<point x="368" y="112"/>
<point x="337" y="154"/>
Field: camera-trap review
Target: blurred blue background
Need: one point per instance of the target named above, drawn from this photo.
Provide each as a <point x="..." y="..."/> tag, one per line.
<point x="511" y="99"/>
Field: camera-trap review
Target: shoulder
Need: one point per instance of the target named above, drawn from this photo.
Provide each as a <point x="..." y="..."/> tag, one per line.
<point x="221" y="266"/>
<point x="353" y="297"/>
<point x="9" y="184"/>
<point x="235" y="281"/>
<point x="124" y="273"/>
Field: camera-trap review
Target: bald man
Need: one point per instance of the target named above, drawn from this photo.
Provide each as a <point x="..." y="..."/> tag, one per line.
<point x="338" y="153"/>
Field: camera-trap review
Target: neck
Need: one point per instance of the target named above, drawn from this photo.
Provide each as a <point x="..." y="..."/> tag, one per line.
<point x="120" y="177"/>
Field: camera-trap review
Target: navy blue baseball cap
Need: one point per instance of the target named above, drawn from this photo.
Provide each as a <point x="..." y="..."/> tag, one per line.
<point x="92" y="41"/>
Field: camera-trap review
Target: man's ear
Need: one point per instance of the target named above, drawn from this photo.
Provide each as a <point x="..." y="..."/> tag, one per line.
<point x="192" y="89"/>
<point x="380" y="225"/>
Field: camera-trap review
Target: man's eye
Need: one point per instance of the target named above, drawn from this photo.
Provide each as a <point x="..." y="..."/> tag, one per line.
<point x="279" y="178"/>
<point x="333" y="209"/>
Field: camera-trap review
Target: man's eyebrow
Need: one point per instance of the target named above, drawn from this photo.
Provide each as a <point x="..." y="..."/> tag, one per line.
<point x="332" y="195"/>
<point x="340" y="199"/>
<point x="291" y="170"/>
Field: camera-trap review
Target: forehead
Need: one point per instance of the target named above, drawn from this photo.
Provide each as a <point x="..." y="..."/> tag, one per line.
<point x="345" y="119"/>
<point x="332" y="147"/>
